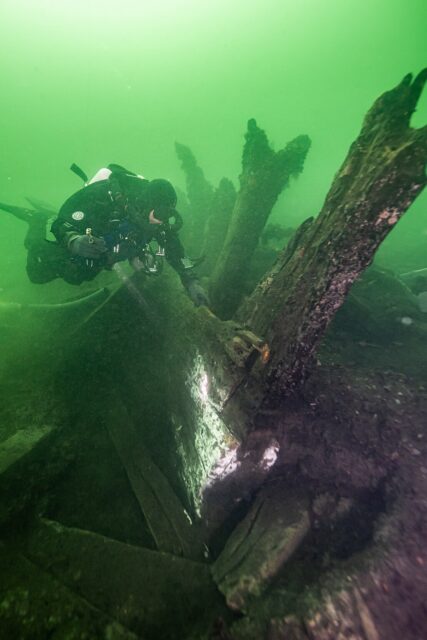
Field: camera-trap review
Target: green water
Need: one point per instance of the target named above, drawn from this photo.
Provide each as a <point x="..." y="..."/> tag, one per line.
<point x="96" y="82"/>
<point x="84" y="392"/>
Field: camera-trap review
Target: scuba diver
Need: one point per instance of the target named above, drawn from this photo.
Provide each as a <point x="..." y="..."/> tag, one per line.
<point x="116" y="216"/>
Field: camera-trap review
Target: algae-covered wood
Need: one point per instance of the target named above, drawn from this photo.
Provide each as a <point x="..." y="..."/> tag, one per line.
<point x="265" y="173"/>
<point x="380" y="178"/>
<point x="169" y="523"/>
<point x="261" y="544"/>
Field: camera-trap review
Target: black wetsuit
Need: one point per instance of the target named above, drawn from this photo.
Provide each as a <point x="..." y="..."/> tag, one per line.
<point x="104" y="209"/>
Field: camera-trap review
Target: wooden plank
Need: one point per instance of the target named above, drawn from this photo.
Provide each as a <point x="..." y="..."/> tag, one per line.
<point x="261" y="544"/>
<point x="20" y="443"/>
<point x="155" y="594"/>
<point x="167" y="519"/>
<point x="34" y="605"/>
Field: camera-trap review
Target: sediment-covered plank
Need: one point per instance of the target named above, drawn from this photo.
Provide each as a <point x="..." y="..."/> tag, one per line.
<point x="261" y="544"/>
<point x="34" y="604"/>
<point x="156" y="595"/>
<point x="167" y="519"/>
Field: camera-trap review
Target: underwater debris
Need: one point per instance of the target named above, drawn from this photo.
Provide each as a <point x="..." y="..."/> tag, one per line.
<point x="294" y="311"/>
<point x="265" y="174"/>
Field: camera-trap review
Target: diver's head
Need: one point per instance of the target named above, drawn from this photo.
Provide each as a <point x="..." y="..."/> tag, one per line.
<point x="161" y="199"/>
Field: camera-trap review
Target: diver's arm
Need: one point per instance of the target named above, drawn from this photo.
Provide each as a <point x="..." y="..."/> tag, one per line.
<point x="76" y="242"/>
<point x="65" y="232"/>
<point x="175" y="255"/>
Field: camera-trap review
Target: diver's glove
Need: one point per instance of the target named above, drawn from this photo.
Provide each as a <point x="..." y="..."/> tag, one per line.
<point x="197" y="294"/>
<point x="87" y="246"/>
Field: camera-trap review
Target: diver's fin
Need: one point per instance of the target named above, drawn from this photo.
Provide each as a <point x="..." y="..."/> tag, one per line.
<point x="19" y="212"/>
<point x="42" y="206"/>
<point x="22" y="213"/>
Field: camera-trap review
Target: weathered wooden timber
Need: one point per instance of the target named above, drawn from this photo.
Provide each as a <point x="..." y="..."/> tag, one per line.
<point x="170" y="525"/>
<point x="265" y="174"/>
<point x="21" y="443"/>
<point x="156" y="595"/>
<point x="34" y="604"/>
<point x="200" y="193"/>
<point x="219" y="216"/>
<point x="380" y="178"/>
<point x="264" y="540"/>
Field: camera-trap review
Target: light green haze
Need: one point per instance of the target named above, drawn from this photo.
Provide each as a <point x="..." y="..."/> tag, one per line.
<point x="94" y="82"/>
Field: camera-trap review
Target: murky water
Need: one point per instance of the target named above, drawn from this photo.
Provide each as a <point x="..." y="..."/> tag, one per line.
<point x="99" y="82"/>
<point x="88" y="392"/>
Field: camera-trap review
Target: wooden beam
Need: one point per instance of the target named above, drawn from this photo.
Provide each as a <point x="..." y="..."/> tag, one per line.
<point x="265" y="174"/>
<point x="380" y="178"/>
